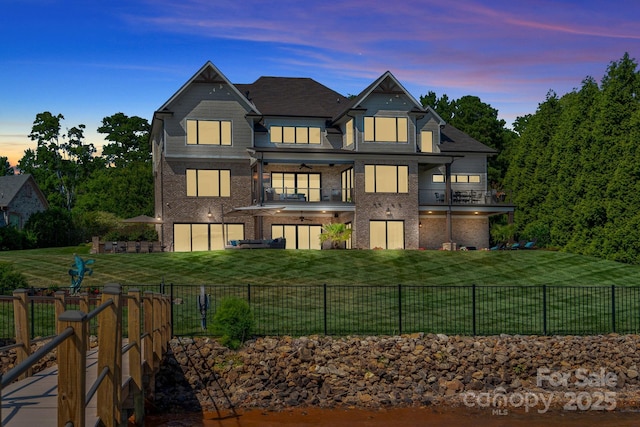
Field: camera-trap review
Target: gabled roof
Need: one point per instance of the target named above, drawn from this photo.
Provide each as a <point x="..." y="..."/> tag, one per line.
<point x="208" y="73"/>
<point x="10" y="185"/>
<point x="453" y="140"/>
<point x="293" y="97"/>
<point x="387" y="84"/>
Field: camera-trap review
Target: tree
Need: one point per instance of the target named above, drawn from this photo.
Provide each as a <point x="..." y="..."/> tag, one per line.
<point x="52" y="228"/>
<point x="480" y="121"/>
<point x="129" y="138"/>
<point x="337" y="233"/>
<point x="60" y="161"/>
<point x="5" y="167"/>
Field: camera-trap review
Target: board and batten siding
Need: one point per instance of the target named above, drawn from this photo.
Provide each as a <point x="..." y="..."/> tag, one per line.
<point x="207" y="102"/>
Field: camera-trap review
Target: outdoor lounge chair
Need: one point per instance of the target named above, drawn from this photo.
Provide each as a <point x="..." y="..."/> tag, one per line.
<point x="530" y="245"/>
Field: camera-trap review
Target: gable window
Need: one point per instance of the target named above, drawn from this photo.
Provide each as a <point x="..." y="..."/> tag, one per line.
<point x="208" y="183"/>
<point x="306" y="186"/>
<point x="295" y="135"/>
<point x="426" y="141"/>
<point x="208" y="132"/>
<point x="385" y="129"/>
<point x="348" y="133"/>
<point x="386" y="179"/>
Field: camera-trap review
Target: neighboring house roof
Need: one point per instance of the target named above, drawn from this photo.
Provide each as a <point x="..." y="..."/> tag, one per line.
<point x="453" y="140"/>
<point x="10" y="185"/>
<point x="293" y="97"/>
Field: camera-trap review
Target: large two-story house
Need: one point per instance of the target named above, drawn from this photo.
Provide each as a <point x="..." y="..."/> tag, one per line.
<point x="282" y="156"/>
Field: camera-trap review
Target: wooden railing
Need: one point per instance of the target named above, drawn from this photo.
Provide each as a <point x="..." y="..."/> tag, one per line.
<point x="147" y="343"/>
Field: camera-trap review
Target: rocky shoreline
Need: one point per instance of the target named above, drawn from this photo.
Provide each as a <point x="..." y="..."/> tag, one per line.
<point x="495" y="373"/>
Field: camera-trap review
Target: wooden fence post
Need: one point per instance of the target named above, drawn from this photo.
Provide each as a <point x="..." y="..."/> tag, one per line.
<point x="21" y="321"/>
<point x="72" y="370"/>
<point x="84" y="307"/>
<point x="147" y="343"/>
<point x="135" y="359"/>
<point x="157" y="332"/>
<point x="110" y="355"/>
<point x="60" y="307"/>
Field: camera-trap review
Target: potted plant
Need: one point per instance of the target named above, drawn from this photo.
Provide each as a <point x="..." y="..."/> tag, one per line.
<point x="336" y="232"/>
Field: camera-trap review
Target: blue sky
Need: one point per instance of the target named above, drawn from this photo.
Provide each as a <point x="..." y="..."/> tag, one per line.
<point x="88" y="59"/>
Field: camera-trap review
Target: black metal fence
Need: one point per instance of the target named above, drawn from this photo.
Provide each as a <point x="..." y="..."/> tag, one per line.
<point x="397" y="309"/>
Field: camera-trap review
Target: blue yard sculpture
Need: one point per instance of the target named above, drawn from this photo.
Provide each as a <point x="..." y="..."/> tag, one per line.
<point x="77" y="274"/>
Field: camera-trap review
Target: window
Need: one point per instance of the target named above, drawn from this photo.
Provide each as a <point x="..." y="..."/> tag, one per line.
<point x="386" y="179"/>
<point x="385" y="129"/>
<point x="204" y="237"/>
<point x="306" y="184"/>
<point x="386" y="235"/>
<point x="295" y="135"/>
<point x="298" y="236"/>
<point x="426" y="141"/>
<point x="347" y="185"/>
<point x="462" y="178"/>
<point x="348" y="133"/>
<point x="208" y="132"/>
<point x="208" y="183"/>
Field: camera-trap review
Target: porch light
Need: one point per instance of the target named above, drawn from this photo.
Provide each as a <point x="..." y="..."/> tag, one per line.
<point x="420" y="224"/>
<point x="388" y="212"/>
<point x="209" y="213"/>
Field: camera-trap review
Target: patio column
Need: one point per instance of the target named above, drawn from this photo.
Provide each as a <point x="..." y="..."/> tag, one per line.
<point x="447" y="195"/>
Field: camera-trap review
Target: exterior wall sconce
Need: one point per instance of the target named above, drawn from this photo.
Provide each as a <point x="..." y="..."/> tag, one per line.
<point x="388" y="212"/>
<point x="420" y="224"/>
<point x="209" y="213"/>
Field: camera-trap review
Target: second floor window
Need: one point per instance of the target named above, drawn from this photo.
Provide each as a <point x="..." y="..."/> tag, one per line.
<point x="385" y="129"/>
<point x="208" y="183"/>
<point x="295" y="135"/>
<point x="208" y="132"/>
<point x="386" y="179"/>
<point x="472" y="179"/>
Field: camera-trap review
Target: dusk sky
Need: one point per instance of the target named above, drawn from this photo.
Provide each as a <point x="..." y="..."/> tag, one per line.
<point x="89" y="59"/>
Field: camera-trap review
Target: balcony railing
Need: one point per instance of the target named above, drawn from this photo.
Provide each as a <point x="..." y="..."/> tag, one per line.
<point x="308" y="194"/>
<point x="464" y="197"/>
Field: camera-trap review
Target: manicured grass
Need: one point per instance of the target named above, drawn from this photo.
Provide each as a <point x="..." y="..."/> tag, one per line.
<point x="49" y="267"/>
<point x="363" y="295"/>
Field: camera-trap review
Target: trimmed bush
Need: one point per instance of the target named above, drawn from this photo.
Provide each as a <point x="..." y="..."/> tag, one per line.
<point x="233" y="321"/>
<point x="10" y="279"/>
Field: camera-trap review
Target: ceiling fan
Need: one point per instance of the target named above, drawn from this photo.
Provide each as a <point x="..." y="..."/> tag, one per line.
<point x="304" y="166"/>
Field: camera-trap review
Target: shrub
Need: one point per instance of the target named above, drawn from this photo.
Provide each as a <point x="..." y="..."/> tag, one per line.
<point x="233" y="321"/>
<point x="10" y="279"/>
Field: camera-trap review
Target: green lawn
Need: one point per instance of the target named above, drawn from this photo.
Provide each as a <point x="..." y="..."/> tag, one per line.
<point x="363" y="295"/>
<point x="49" y="267"/>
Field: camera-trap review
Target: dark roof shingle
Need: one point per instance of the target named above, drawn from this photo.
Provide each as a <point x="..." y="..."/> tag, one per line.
<point x="293" y="96"/>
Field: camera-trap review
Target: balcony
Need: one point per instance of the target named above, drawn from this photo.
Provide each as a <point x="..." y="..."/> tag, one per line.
<point x="308" y="195"/>
<point x="463" y="197"/>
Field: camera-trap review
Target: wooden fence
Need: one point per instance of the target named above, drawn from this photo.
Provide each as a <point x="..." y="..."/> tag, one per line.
<point x="148" y="331"/>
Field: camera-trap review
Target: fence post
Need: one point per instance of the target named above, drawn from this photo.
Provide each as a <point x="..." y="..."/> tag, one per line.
<point x="249" y="293"/>
<point x="164" y="324"/>
<point x="60" y="307"/>
<point x="157" y="332"/>
<point x="473" y="308"/>
<point x="72" y="369"/>
<point x="110" y="356"/>
<point x="544" y="309"/>
<point x="147" y="343"/>
<point x="84" y="307"/>
<point x="613" y="308"/>
<point x="399" y="309"/>
<point x="171" y="310"/>
<point x="324" y="286"/>
<point x="135" y="358"/>
<point x="21" y="322"/>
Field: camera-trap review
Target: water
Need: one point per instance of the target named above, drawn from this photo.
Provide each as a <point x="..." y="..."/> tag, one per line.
<point x="401" y="417"/>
